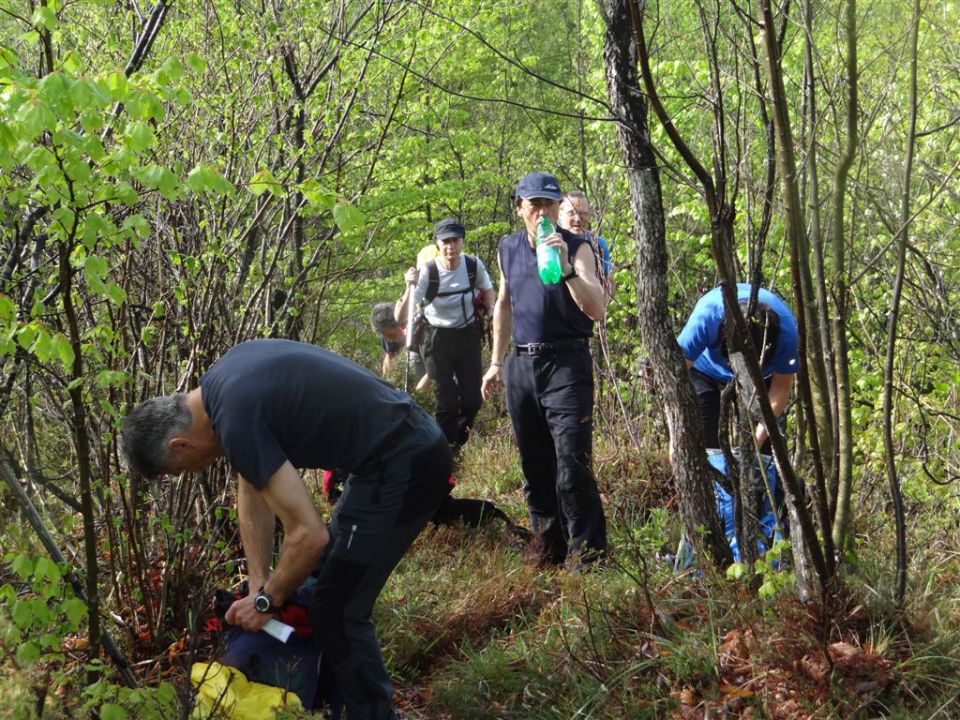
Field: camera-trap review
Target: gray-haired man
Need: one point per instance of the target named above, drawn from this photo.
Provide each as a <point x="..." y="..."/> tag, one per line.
<point x="269" y="407"/>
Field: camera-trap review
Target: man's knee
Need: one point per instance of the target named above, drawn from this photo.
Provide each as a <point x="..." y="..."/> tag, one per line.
<point x="574" y="464"/>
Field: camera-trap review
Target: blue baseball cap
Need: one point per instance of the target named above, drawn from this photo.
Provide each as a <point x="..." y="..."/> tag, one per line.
<point x="539" y="185"/>
<point x="449" y="228"/>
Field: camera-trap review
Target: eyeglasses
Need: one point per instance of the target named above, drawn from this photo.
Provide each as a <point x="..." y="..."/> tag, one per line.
<point x="585" y="214"/>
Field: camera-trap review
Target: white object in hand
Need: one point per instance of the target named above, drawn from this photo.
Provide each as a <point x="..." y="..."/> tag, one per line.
<point x="279" y="630"/>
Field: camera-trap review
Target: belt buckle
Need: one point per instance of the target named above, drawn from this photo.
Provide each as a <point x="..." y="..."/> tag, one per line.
<point x="532" y="349"/>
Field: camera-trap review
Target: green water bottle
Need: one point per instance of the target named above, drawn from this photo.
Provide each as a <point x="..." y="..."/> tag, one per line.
<point x="548" y="258"/>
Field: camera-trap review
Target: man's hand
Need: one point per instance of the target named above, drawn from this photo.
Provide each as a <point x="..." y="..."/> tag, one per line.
<point x="492" y="382"/>
<point x="411" y="276"/>
<point x="556" y="241"/>
<point x="243" y="614"/>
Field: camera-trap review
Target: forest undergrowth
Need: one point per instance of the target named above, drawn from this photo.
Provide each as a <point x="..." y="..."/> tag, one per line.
<point x="472" y="629"/>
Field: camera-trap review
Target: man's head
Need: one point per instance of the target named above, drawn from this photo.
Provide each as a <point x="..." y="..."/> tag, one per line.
<point x="537" y="195"/>
<point x="149" y="434"/>
<point x="449" y="234"/>
<point x="382" y="320"/>
<point x="763" y="329"/>
<point x="575" y="212"/>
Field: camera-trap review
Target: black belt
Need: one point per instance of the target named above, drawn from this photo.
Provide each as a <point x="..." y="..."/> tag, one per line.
<point x="546" y="348"/>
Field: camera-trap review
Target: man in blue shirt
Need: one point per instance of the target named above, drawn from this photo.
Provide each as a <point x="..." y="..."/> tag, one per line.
<point x="773" y="330"/>
<point x="548" y="378"/>
<point x="271" y="407"/>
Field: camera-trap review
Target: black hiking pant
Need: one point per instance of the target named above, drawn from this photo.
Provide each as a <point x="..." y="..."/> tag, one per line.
<point x="708" y="398"/>
<point x="550" y="400"/>
<point x="452" y="357"/>
<point x="383" y="508"/>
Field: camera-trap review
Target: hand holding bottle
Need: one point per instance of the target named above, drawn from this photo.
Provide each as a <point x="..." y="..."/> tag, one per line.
<point x="548" y="257"/>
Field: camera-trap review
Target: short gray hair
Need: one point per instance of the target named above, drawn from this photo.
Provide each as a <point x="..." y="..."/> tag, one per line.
<point x="382" y="318"/>
<point x="147" y="431"/>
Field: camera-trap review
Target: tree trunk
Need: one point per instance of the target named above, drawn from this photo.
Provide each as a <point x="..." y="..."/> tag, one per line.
<point x="902" y="234"/>
<point x="804" y="535"/>
<point x="841" y="522"/>
<point x="692" y="471"/>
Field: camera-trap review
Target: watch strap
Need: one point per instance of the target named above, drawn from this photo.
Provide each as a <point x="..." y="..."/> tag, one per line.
<point x="271" y="608"/>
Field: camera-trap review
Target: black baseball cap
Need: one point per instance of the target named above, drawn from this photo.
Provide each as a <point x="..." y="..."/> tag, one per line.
<point x="539" y="185"/>
<point x="449" y="228"/>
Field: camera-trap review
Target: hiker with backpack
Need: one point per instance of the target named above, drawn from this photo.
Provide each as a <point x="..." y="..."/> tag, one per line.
<point x="452" y="289"/>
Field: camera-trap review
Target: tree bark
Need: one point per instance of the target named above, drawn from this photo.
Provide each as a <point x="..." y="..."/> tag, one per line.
<point x="902" y="235"/>
<point x="822" y="557"/>
<point x="691" y="470"/>
<point x="841" y="522"/>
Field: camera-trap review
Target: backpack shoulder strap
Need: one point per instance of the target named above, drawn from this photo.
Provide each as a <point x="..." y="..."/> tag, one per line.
<point x="433" y="284"/>
<point x="471" y="261"/>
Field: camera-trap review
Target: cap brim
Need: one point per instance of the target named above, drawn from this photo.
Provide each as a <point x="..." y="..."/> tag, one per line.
<point x="541" y="195"/>
<point x="449" y="236"/>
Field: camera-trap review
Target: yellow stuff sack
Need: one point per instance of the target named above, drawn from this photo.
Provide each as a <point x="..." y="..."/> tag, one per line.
<point x="224" y="692"/>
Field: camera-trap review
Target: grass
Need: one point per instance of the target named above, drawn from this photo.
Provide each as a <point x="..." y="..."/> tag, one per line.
<point x="471" y="630"/>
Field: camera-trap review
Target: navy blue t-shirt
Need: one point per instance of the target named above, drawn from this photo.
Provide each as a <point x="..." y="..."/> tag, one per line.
<point x="541" y="313"/>
<point x="275" y="400"/>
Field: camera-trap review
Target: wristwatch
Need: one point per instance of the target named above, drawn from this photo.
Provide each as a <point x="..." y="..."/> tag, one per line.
<point x="263" y="602"/>
<point x="572" y="274"/>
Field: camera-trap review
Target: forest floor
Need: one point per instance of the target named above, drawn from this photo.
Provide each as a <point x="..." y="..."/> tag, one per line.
<point x="472" y="629"/>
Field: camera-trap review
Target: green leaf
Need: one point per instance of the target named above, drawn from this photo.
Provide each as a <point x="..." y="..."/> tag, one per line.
<point x="26" y="335"/>
<point x="347" y="217"/>
<point x="206" y="177"/>
<point x="94" y="227"/>
<point x="95" y="267"/>
<point x="196" y="63"/>
<point x="23" y="613"/>
<point x="8" y="308"/>
<point x="171" y="71"/>
<point x="55" y="89"/>
<point x="22" y="565"/>
<point x="28" y="653"/>
<point x="35" y="117"/>
<point x="75" y="609"/>
<point x="317" y="196"/>
<point x="115" y="293"/>
<point x="64" y="350"/>
<point x="44" y="17"/>
<point x="47" y="569"/>
<point x="125" y="193"/>
<point x="112" y="711"/>
<point x="264" y="181"/>
<point x="8" y="58"/>
<point x="44" y="348"/>
<point x="736" y="571"/>
<point x="159" y="178"/>
<point x="117" y="86"/>
<point x="151" y="107"/>
<point x="140" y="136"/>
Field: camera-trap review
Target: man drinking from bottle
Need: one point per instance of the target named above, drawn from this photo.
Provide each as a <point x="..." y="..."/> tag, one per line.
<point x="548" y="377"/>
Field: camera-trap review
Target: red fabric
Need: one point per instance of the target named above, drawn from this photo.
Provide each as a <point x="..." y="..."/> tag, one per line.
<point x="327" y="481"/>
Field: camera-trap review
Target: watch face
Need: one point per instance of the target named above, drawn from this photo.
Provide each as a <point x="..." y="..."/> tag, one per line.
<point x="262" y="603"/>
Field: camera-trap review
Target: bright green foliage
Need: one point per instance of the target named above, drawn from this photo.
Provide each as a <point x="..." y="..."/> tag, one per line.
<point x="273" y="170"/>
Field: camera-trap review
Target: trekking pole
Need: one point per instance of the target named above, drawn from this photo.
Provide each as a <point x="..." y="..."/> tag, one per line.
<point x="411" y="312"/>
